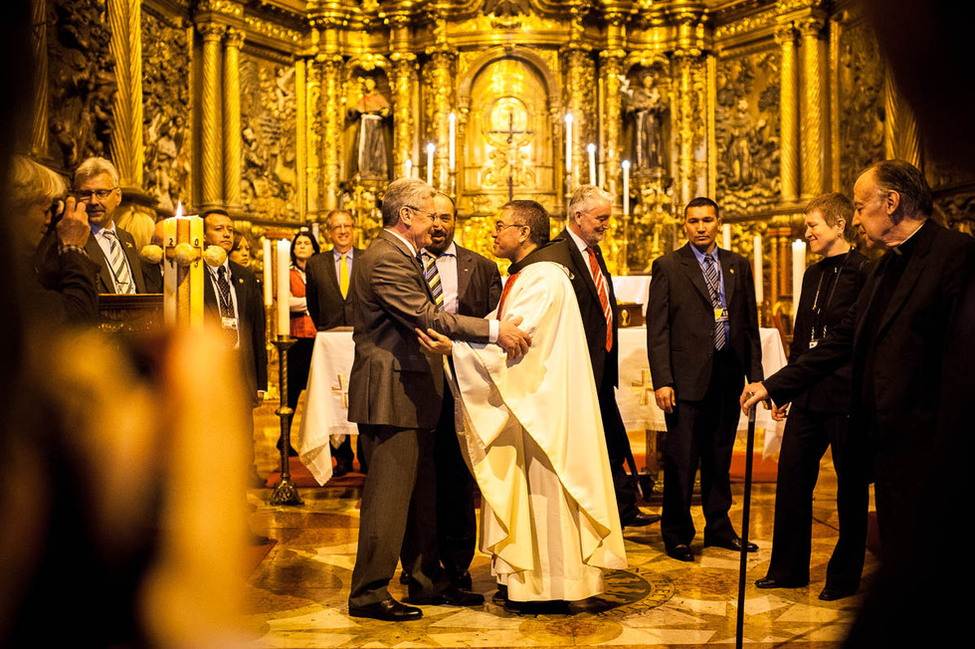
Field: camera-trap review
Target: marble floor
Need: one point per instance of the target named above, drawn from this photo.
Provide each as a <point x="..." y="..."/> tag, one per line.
<point x="297" y="594"/>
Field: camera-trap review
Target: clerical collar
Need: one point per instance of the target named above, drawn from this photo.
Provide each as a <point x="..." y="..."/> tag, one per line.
<point x="906" y="247"/>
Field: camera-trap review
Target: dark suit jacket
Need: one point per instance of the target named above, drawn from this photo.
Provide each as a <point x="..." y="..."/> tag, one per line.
<point x="250" y="314"/>
<point x="393" y="382"/>
<point x="909" y="344"/>
<point x="605" y="365"/>
<point x="478" y="284"/>
<point x="680" y="322"/>
<point x="327" y="307"/>
<point x="105" y="282"/>
<point x="67" y="290"/>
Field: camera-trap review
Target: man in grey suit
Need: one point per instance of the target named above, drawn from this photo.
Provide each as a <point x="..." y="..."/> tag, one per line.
<point x="96" y="183"/>
<point x="395" y="393"/>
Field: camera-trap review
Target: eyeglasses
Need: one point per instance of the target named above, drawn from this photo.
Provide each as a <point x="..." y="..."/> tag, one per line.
<point x="86" y="195"/>
<point x="501" y="225"/>
<point x="432" y="215"/>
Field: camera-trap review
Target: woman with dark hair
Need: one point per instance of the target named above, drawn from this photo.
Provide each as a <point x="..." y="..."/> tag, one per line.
<point x="240" y="253"/>
<point x="303" y="247"/>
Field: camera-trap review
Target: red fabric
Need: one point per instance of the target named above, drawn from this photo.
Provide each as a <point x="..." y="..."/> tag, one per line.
<point x="504" y="293"/>
<point x="302" y="325"/>
<point x="600" y="280"/>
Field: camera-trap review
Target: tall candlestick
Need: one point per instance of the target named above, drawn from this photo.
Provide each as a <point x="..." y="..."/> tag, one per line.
<point x="757" y="269"/>
<point x="268" y="286"/>
<point x="626" y="187"/>
<point x="592" y="163"/>
<point x="568" y="143"/>
<point x="431" y="148"/>
<point x="409" y="168"/>
<point x="798" y="270"/>
<point x="451" y="151"/>
<point x="284" y="287"/>
<point x="726" y="236"/>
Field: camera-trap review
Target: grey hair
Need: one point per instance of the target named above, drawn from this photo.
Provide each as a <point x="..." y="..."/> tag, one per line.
<point x="403" y="192"/>
<point x="30" y="182"/>
<point x="92" y="167"/>
<point x="908" y="181"/>
<point x="584" y="198"/>
<point x="328" y="219"/>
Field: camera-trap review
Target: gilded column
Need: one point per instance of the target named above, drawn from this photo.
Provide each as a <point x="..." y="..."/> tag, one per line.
<point x="331" y="125"/>
<point x="404" y="82"/>
<point x="211" y="137"/>
<point x="232" y="153"/>
<point x="311" y="170"/>
<point x="612" y="70"/>
<point x="301" y="137"/>
<point x="812" y="108"/>
<point x="687" y="121"/>
<point x="440" y="85"/>
<point x="789" y="115"/>
<point x="38" y="41"/>
<point x="578" y="101"/>
<point x="900" y="128"/>
<point x="128" y="149"/>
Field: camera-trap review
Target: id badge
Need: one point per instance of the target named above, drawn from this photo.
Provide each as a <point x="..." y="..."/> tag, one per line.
<point x="229" y="323"/>
<point x="721" y="314"/>
<point x="813" y="342"/>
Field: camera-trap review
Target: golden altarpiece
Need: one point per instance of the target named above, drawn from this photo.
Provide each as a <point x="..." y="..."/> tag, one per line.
<point x="280" y="110"/>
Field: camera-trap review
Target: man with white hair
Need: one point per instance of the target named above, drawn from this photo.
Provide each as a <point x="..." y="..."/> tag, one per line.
<point x="588" y="220"/>
<point x="96" y="184"/>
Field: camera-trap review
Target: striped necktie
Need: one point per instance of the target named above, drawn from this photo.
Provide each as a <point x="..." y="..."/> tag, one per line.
<point x="432" y="275"/>
<point x="116" y="260"/>
<point x="711" y="276"/>
<point x="227" y="305"/>
<point x="600" y="280"/>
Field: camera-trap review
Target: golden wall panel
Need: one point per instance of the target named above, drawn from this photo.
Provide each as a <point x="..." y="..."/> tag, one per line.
<point x="861" y="101"/>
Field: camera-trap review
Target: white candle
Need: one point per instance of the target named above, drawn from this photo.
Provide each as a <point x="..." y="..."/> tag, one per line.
<point x="451" y="151"/>
<point x="431" y="147"/>
<point x="592" y="163"/>
<point x="409" y="169"/>
<point x="602" y="176"/>
<point x="798" y="270"/>
<point x="268" y="287"/>
<point x="626" y="187"/>
<point x="757" y="269"/>
<point x="568" y="142"/>
<point x="726" y="236"/>
<point x="315" y="231"/>
<point x="284" y="287"/>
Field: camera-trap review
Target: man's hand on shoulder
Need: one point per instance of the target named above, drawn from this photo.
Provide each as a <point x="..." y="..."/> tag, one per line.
<point x="513" y="340"/>
<point x="73" y="228"/>
<point x="666" y="400"/>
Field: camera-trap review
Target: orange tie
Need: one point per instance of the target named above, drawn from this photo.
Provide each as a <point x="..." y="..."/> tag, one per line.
<point x="600" y="280"/>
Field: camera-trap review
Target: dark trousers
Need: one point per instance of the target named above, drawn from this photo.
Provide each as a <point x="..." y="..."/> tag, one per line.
<point x="618" y="447"/>
<point x="806" y="437"/>
<point x="702" y="433"/>
<point x="343" y="453"/>
<point x="398" y="516"/>
<point x="299" y="364"/>
<point x="456" y="520"/>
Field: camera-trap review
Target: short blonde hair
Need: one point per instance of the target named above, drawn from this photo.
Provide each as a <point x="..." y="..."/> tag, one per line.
<point x="31" y="183"/>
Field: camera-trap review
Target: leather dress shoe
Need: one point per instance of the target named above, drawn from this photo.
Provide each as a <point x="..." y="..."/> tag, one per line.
<point x="681" y="552"/>
<point x="770" y="582"/>
<point x="831" y="594"/>
<point x="462" y="580"/>
<point x="450" y="596"/>
<point x="731" y="544"/>
<point x="388" y="610"/>
<point x="639" y="519"/>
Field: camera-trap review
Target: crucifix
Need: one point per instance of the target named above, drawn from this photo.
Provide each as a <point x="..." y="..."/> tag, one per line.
<point x="512" y="151"/>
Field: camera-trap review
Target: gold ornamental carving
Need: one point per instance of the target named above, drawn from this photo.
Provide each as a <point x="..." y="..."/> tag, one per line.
<point x="901" y="138"/>
<point x="438" y="84"/>
<point x="212" y="134"/>
<point x="232" y="168"/>
<point x="404" y="79"/>
<point x="813" y="107"/>
<point x="861" y="83"/>
<point x="39" y="90"/>
<point x="789" y="114"/>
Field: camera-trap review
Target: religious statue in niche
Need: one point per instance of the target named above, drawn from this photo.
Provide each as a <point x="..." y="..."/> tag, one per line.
<point x="370" y="119"/>
<point x="648" y="112"/>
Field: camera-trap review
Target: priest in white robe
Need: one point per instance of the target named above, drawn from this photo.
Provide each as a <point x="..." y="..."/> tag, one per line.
<point x="532" y="432"/>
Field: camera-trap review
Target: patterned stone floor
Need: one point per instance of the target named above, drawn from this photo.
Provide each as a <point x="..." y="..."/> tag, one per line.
<point x="297" y="595"/>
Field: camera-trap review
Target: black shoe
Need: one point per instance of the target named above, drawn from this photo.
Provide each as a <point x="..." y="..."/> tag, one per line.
<point x="639" y="519"/>
<point x="388" y="610"/>
<point x="501" y="596"/>
<point x="404" y="578"/>
<point x="450" y="596"/>
<point x="830" y="594"/>
<point x="681" y="552"/>
<point x="340" y="470"/>
<point x="462" y="581"/>
<point x="770" y="582"/>
<point x="730" y="544"/>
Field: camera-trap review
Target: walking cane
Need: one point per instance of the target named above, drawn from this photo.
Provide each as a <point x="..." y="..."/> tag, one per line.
<point x="749" y="447"/>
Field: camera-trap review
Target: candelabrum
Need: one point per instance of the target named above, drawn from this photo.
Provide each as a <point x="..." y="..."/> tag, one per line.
<point x="285" y="493"/>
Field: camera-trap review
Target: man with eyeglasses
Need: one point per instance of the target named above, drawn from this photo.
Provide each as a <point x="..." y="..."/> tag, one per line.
<point x="395" y="394"/>
<point x="328" y="278"/>
<point x="96" y="184"/>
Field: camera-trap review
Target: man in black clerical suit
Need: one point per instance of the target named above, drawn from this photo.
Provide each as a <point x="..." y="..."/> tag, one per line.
<point x="469" y="284"/>
<point x="96" y="183"/>
<point x="702" y="339"/>
<point x="819" y="418"/>
<point x="588" y="219"/>
<point x="232" y="300"/>
<point x="328" y="276"/>
<point x="895" y="335"/>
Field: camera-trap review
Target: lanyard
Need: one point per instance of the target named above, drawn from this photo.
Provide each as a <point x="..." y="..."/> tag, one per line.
<point x="818" y="310"/>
